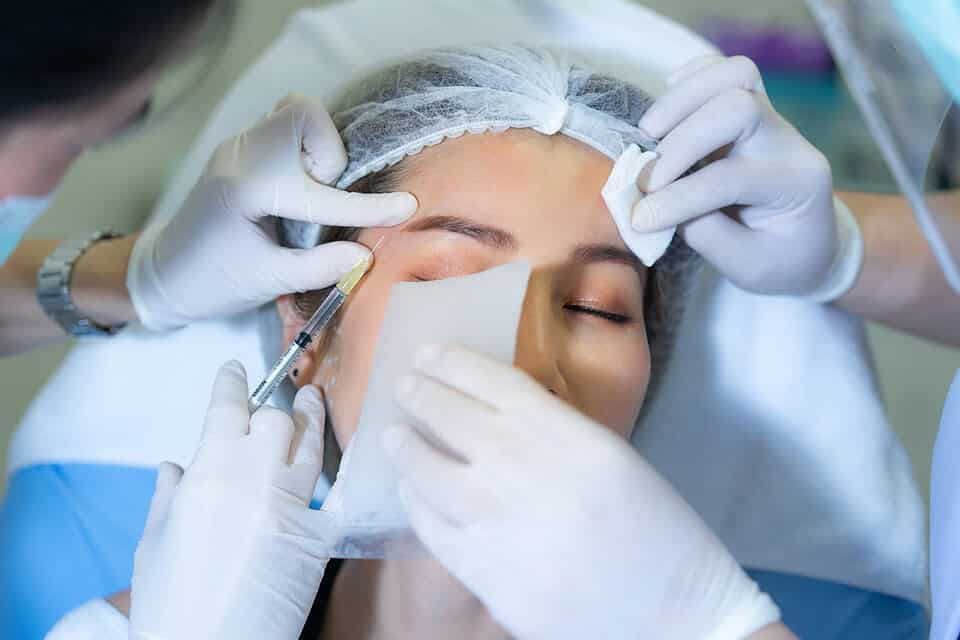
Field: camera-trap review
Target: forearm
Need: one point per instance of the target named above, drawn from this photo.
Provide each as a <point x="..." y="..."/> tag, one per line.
<point x="98" y="288"/>
<point x="901" y="284"/>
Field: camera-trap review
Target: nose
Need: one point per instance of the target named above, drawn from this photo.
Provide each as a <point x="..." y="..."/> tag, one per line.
<point x="540" y="337"/>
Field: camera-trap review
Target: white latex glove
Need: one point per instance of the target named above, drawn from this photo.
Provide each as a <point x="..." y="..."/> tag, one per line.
<point x="231" y="549"/>
<point x="215" y="257"/>
<point x="556" y="524"/>
<point x="778" y="234"/>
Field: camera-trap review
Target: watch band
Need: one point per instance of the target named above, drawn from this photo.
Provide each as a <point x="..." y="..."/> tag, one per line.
<point x="53" y="286"/>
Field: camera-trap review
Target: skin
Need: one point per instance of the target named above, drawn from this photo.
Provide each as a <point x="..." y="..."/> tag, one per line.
<point x="901" y="284"/>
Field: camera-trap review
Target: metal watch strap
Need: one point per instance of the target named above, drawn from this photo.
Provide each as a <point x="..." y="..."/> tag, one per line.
<point x="53" y="286"/>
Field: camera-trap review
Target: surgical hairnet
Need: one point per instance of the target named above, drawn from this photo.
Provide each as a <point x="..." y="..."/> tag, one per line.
<point x="443" y="94"/>
<point x="396" y="111"/>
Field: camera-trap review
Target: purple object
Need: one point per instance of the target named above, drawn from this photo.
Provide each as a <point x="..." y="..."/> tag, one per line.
<point x="772" y="47"/>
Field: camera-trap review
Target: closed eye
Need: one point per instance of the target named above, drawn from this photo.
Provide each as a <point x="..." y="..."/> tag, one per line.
<point x="600" y="313"/>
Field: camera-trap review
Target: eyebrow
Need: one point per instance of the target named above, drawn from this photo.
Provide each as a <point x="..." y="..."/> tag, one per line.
<point x="502" y="239"/>
<point x="490" y="236"/>
<point x="589" y="253"/>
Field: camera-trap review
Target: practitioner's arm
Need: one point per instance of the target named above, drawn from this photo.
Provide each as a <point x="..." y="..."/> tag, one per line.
<point x="901" y="285"/>
<point x="98" y="288"/>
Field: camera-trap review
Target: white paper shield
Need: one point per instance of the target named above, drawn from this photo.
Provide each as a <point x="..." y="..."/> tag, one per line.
<point x="479" y="311"/>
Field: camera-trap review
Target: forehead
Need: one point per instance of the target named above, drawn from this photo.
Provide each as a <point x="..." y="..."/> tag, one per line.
<point x="545" y="190"/>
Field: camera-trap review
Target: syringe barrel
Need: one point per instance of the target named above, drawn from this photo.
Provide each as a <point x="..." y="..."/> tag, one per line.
<point x="324" y="312"/>
<point x="282" y="367"/>
<point x="273" y="378"/>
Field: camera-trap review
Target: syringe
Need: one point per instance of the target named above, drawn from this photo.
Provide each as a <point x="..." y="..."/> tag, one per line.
<point x="317" y="321"/>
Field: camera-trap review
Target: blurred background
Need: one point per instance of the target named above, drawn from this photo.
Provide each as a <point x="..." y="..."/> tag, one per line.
<point x="116" y="186"/>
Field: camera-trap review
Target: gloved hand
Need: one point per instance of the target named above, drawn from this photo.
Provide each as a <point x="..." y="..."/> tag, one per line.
<point x="556" y="524"/>
<point x="215" y="257"/>
<point x="778" y="234"/>
<point x="231" y="549"/>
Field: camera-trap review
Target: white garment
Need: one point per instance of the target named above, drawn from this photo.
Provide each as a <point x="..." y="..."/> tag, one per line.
<point x="769" y="422"/>
<point x="945" y="521"/>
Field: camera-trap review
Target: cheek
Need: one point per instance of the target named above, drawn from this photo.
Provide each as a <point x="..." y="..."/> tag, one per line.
<point x="609" y="379"/>
<point x="345" y="368"/>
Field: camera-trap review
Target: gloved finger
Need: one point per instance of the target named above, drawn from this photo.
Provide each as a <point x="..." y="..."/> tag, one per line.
<point x="459" y="422"/>
<point x="687" y="96"/>
<point x="723" y="120"/>
<point x="722" y="183"/>
<point x="273" y="430"/>
<point x="309" y="415"/>
<point x="444" y="483"/>
<point x="692" y="66"/>
<point x="321" y="149"/>
<point x="324" y="158"/>
<point x="168" y="477"/>
<point x="227" y="414"/>
<point x="297" y="270"/>
<point x="757" y="260"/>
<point x="725" y="243"/>
<point x="298" y="480"/>
<point x="268" y="175"/>
<point x="298" y="197"/>
<point x="442" y="538"/>
<point x="492" y="382"/>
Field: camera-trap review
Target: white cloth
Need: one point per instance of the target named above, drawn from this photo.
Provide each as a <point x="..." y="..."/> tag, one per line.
<point x="93" y="620"/>
<point x="772" y="426"/>
<point x="769" y="422"/>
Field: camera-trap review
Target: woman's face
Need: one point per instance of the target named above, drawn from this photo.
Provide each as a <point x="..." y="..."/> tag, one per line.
<point x="486" y="200"/>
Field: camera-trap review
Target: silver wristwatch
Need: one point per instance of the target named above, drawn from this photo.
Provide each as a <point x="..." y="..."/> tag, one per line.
<point x="53" y="286"/>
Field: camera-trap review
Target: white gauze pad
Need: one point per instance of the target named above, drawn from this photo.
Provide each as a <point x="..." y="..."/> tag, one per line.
<point x="621" y="194"/>
<point x="479" y="311"/>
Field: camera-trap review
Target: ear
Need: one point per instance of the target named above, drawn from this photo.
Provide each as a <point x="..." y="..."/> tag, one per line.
<point x="305" y="371"/>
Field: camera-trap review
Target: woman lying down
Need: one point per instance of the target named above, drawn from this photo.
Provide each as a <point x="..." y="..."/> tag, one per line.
<point x="596" y="324"/>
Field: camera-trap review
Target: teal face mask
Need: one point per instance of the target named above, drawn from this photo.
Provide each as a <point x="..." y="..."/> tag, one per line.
<point x="935" y="24"/>
<point x="17" y="213"/>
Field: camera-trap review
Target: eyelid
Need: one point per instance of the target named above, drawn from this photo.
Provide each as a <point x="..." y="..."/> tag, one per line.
<point x="441" y="265"/>
<point x="592" y="309"/>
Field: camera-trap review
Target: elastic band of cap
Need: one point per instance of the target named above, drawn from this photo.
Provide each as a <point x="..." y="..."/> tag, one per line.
<point x="555" y="119"/>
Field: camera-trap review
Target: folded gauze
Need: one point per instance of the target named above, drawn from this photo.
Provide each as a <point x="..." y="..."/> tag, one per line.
<point x="446" y="93"/>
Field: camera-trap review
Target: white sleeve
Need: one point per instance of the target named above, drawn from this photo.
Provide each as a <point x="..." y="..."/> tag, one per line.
<point x="93" y="620"/>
